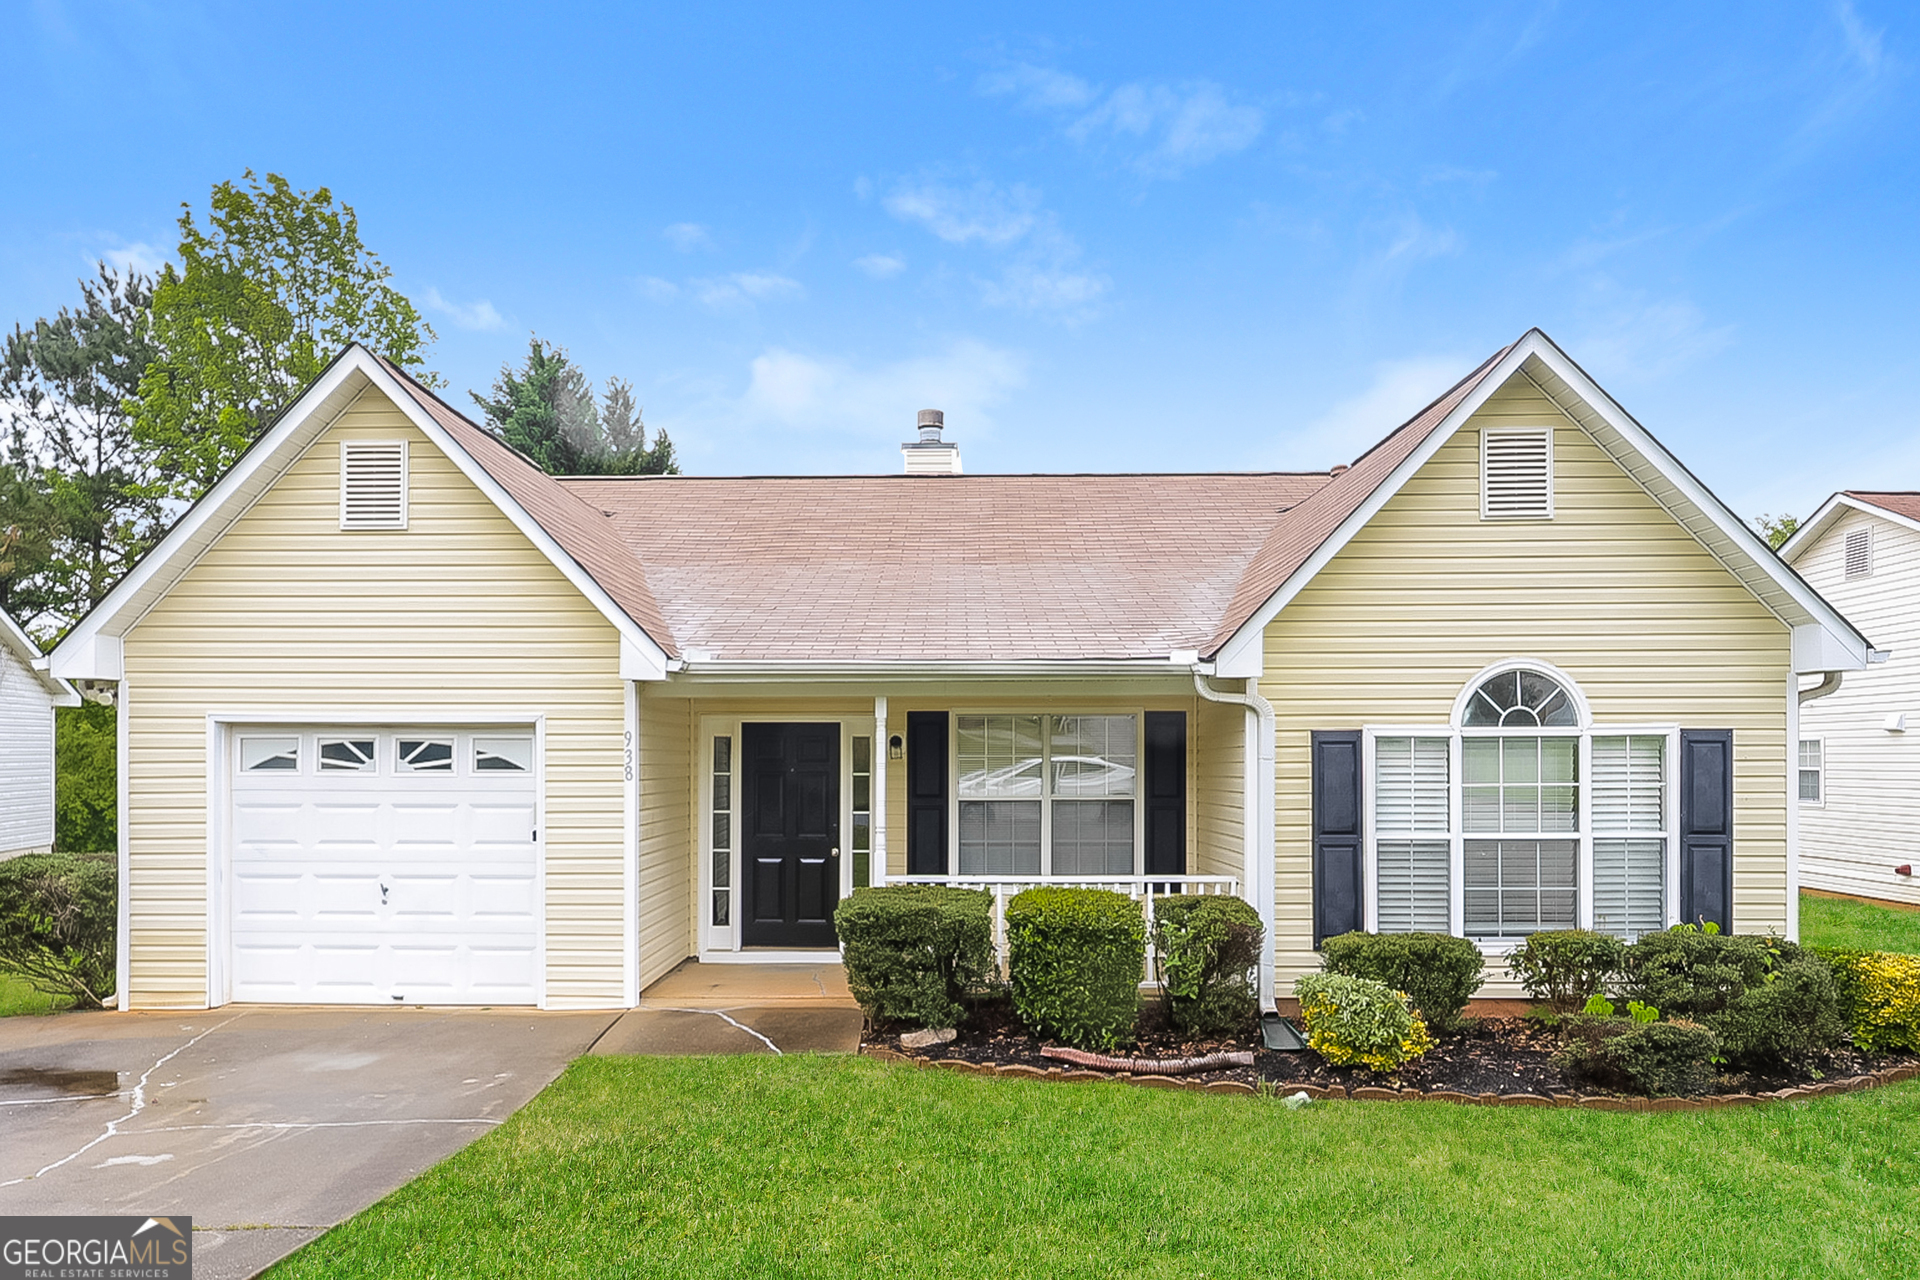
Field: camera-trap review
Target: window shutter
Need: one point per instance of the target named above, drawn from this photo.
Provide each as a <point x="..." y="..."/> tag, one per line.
<point x="1336" y="833"/>
<point x="1166" y="792"/>
<point x="1706" y="826"/>
<point x="373" y="484"/>
<point x="1516" y="475"/>
<point x="1860" y="553"/>
<point x="926" y="793"/>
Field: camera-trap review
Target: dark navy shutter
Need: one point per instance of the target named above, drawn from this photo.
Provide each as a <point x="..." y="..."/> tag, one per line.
<point x="1336" y="833"/>
<point x="926" y="793"/>
<point x="1706" y="827"/>
<point x="1166" y="792"/>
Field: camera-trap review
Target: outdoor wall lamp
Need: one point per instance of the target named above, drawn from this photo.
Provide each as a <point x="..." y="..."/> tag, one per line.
<point x="896" y="749"/>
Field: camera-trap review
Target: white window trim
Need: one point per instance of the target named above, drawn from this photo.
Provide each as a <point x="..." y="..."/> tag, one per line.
<point x="723" y="944"/>
<point x="406" y="485"/>
<point x="1457" y="836"/>
<point x="1489" y="434"/>
<point x="1138" y="799"/>
<point x="1804" y="803"/>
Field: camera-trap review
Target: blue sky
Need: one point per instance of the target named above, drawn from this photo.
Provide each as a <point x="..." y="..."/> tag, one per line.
<point x="1100" y="238"/>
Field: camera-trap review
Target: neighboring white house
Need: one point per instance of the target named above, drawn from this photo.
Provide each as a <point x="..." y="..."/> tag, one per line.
<point x="28" y="696"/>
<point x="1859" y="755"/>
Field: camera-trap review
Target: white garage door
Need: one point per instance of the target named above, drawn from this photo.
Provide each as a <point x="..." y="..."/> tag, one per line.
<point x="384" y="866"/>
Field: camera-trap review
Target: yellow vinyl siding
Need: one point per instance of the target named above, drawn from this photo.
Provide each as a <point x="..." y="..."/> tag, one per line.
<point x="1611" y="590"/>
<point x="667" y="873"/>
<point x="458" y="613"/>
<point x="1217" y="750"/>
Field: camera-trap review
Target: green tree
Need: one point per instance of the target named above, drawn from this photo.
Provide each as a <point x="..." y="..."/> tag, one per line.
<point x="264" y="296"/>
<point x="1776" y="529"/>
<point x="546" y="410"/>
<point x="85" y="815"/>
<point x="77" y="478"/>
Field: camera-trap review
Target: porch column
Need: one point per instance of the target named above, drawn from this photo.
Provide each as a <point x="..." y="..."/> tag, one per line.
<point x="877" y="837"/>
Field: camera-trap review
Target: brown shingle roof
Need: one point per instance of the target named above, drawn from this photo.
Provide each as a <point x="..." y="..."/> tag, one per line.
<point x="945" y="568"/>
<point x="1901" y="504"/>
<point x="582" y="531"/>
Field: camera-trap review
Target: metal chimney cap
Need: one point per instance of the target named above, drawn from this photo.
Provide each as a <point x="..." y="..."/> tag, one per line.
<point x="931" y="420"/>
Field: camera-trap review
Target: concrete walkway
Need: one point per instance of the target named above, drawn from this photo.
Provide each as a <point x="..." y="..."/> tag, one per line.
<point x="267" y="1125"/>
<point x="728" y="1008"/>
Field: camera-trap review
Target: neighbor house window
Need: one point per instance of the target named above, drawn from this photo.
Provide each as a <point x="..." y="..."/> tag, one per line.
<point x="1813" y="771"/>
<point x="1519" y="818"/>
<point x="1047" y="795"/>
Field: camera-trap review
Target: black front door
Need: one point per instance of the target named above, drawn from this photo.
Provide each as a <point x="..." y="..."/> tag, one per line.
<point x="790" y="806"/>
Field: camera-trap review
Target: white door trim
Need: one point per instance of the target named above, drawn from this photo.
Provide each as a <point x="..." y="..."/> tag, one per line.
<point x="219" y="850"/>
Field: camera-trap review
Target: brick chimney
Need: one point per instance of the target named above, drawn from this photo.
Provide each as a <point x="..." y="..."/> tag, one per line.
<point x="930" y="455"/>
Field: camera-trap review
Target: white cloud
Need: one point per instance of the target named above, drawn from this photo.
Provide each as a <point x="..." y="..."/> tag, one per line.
<point x="139" y="257"/>
<point x="1400" y="389"/>
<point x="881" y="265"/>
<point x="659" y="290"/>
<point x="1162" y="128"/>
<point x="1862" y="44"/>
<point x="478" y="315"/>
<point x="743" y="288"/>
<point x="1633" y="338"/>
<point x="687" y="236"/>
<point x="984" y="212"/>
<point x="1053" y="287"/>
<point x="792" y="390"/>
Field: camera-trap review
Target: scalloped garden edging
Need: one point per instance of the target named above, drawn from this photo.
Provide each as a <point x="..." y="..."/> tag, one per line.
<point x="1370" y="1093"/>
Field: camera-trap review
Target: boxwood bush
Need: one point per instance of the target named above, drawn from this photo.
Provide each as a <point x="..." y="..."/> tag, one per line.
<point x="1656" y="1058"/>
<point x="57" y="921"/>
<point x="914" y="951"/>
<point x="1357" y="1021"/>
<point x="1207" y="947"/>
<point x="1879" y="997"/>
<point x="1438" y="972"/>
<point x="1771" y="1003"/>
<point x="1564" y="968"/>
<point x="1075" y="958"/>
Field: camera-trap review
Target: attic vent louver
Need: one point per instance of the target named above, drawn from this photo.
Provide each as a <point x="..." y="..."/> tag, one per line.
<point x="1860" y="553"/>
<point x="1516" y="474"/>
<point x="373" y="484"/>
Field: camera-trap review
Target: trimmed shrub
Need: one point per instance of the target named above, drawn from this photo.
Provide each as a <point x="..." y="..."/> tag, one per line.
<point x="914" y="950"/>
<point x="57" y="920"/>
<point x="1771" y="1004"/>
<point x="1357" y="1021"/>
<point x="1075" y="958"/>
<point x="1656" y="1058"/>
<point x="1208" y="950"/>
<point x="1438" y="972"/>
<point x="1878" y="996"/>
<point x="1564" y="968"/>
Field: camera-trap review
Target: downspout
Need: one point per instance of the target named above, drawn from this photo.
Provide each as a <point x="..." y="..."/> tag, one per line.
<point x="1829" y="684"/>
<point x="1258" y="802"/>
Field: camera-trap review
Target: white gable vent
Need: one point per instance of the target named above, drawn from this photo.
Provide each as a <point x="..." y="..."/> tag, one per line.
<point x="1516" y="474"/>
<point x="1860" y="552"/>
<point x="373" y="484"/>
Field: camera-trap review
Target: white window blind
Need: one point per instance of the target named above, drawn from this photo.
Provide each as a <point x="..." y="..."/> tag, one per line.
<point x="1860" y="553"/>
<point x="1412" y="851"/>
<point x="1516" y="474"/>
<point x="1629" y="834"/>
<point x="373" y="484"/>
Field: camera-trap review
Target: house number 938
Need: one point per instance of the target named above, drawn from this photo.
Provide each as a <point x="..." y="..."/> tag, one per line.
<point x="626" y="753"/>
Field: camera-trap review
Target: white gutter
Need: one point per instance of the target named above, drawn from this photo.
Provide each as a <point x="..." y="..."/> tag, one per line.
<point x="1259" y="803"/>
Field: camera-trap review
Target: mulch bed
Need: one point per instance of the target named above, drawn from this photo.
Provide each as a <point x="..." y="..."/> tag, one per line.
<point x="1491" y="1056"/>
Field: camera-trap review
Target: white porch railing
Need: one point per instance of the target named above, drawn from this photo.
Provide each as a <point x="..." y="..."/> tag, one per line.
<point x="1144" y="889"/>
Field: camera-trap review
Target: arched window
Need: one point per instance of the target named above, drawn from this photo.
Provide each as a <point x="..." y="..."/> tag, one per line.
<point x="1521" y="817"/>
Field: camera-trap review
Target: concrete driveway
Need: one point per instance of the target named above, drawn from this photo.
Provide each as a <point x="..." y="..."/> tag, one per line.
<point x="266" y="1125"/>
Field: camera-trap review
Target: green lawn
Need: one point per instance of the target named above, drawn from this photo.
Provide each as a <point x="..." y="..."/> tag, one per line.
<point x="16" y="996"/>
<point x="811" y="1166"/>
<point x="1836" y="922"/>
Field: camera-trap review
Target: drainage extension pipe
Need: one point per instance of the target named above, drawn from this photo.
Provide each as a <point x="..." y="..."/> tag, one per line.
<point x="1151" y="1066"/>
<point x="1829" y="683"/>
<point x="1260" y="782"/>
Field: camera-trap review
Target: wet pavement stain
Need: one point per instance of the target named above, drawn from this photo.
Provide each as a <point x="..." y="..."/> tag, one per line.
<point x="74" y="1083"/>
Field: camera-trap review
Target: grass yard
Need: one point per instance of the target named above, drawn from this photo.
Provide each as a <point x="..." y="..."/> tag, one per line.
<point x="17" y="996"/>
<point x="824" y="1167"/>
<point x="1838" y="922"/>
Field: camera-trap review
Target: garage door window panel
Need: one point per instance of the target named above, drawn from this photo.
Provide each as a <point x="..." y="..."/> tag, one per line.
<point x="347" y="755"/>
<point x="270" y="755"/>
<point x="502" y="755"/>
<point x="426" y="755"/>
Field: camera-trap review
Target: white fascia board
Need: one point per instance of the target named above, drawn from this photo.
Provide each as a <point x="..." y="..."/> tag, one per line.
<point x="15" y="637"/>
<point x="1243" y="655"/>
<point x="639" y="652"/>
<point x="1832" y="509"/>
<point x="1844" y="641"/>
<point x="77" y="656"/>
